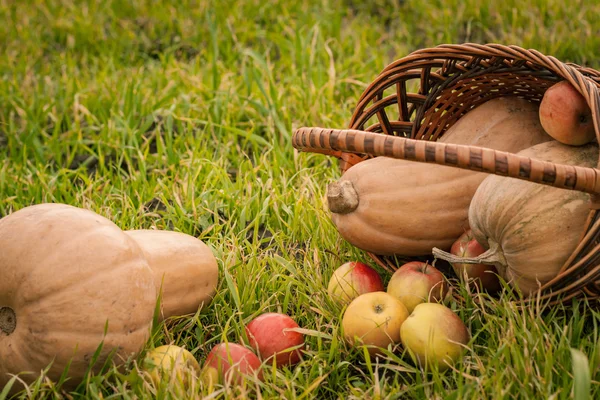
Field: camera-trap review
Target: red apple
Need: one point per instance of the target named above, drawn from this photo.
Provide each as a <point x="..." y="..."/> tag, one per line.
<point x="353" y="279"/>
<point x="566" y="116"/>
<point x="231" y="362"/>
<point x="483" y="275"/>
<point x="417" y="282"/>
<point x="374" y="319"/>
<point x="269" y="334"/>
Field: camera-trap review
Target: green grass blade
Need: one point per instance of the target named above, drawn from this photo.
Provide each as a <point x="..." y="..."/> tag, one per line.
<point x="581" y="375"/>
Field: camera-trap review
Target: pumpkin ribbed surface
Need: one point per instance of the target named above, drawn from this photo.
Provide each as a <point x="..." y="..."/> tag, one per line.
<point x="536" y="227"/>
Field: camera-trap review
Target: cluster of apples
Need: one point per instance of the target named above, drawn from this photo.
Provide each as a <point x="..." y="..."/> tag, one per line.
<point x="274" y="337"/>
<point x="409" y="312"/>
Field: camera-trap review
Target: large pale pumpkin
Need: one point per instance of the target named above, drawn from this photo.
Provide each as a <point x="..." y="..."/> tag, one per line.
<point x="184" y="268"/>
<point x="531" y="229"/>
<point x="70" y="280"/>
<point x="389" y="206"/>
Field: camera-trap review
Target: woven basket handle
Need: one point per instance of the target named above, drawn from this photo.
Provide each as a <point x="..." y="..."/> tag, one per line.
<point x="474" y="158"/>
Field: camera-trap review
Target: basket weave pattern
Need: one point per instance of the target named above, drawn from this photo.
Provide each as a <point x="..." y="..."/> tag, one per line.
<point x="391" y="121"/>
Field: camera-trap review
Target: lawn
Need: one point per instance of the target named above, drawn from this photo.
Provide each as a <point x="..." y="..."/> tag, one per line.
<point x="179" y="116"/>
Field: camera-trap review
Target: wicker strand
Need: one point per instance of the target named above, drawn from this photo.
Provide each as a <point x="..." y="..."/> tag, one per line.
<point x="457" y="62"/>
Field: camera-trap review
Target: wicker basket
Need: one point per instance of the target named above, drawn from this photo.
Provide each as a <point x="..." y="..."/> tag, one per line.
<point x="453" y="79"/>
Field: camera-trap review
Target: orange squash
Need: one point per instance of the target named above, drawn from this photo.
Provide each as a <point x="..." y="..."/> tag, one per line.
<point x="71" y="281"/>
<point x="184" y="268"/>
<point x="396" y="207"/>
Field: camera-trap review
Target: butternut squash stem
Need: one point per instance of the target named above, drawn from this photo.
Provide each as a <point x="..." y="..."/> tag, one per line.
<point x="342" y="197"/>
<point x="8" y="320"/>
<point x="492" y="256"/>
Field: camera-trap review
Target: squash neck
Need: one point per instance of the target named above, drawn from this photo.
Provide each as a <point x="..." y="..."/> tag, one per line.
<point x="8" y="320"/>
<point x="493" y="256"/>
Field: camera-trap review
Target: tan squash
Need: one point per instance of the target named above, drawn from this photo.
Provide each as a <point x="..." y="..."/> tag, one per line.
<point x="69" y="275"/>
<point x="184" y="268"/>
<point x="530" y="229"/>
<point x="388" y="206"/>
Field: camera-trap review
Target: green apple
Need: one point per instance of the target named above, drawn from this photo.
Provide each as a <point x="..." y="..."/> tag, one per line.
<point x="171" y="363"/>
<point x="374" y="319"/>
<point x="417" y="282"/>
<point x="434" y="335"/>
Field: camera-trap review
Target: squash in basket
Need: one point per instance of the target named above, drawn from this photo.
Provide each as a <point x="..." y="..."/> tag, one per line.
<point x="530" y="229"/>
<point x="185" y="269"/>
<point x="397" y="207"/>
<point x="71" y="281"/>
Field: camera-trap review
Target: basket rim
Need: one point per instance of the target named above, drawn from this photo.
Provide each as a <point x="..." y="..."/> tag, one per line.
<point x="585" y="80"/>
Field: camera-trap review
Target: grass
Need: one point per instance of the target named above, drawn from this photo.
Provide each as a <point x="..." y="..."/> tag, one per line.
<point x="178" y="115"/>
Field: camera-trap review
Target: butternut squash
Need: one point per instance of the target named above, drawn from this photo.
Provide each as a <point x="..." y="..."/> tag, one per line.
<point x="71" y="281"/>
<point x="184" y="268"/>
<point x="389" y="206"/>
<point x="530" y="229"/>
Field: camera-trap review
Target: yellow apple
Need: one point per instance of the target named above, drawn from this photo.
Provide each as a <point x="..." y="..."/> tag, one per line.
<point x="417" y="282"/>
<point x="209" y="377"/>
<point x="434" y="335"/>
<point x="351" y="280"/>
<point x="171" y="363"/>
<point x="374" y="319"/>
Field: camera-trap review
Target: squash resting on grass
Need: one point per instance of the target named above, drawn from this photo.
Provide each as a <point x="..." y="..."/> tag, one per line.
<point x="184" y="268"/>
<point x="71" y="281"/>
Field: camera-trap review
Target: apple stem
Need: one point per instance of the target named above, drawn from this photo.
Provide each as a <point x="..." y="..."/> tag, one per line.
<point x="492" y="256"/>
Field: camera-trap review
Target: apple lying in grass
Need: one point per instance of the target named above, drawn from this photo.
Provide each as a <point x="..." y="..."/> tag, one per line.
<point x="417" y="282"/>
<point x="374" y="319"/>
<point x="270" y="335"/>
<point x="434" y="336"/>
<point x="483" y="276"/>
<point x="566" y="116"/>
<point x="351" y="280"/>
<point x="171" y="363"/>
<point x="231" y="363"/>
